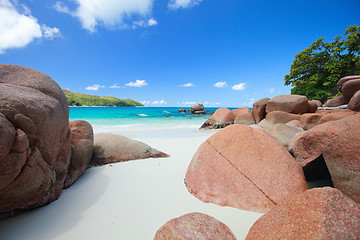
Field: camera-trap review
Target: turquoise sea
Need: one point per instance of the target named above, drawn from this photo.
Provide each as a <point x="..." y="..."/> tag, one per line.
<point x="141" y="122"/>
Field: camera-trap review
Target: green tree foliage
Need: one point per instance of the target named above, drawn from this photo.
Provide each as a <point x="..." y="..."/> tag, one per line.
<point x="317" y="69"/>
<point x="78" y="99"/>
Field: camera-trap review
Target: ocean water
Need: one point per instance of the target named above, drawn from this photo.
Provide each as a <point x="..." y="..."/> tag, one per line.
<point x="142" y="122"/>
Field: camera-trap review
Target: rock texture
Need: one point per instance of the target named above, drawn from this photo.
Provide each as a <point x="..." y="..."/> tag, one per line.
<point x="281" y="117"/>
<point x="320" y="213"/>
<point x="313" y="105"/>
<point x="220" y="119"/>
<point x="112" y="148"/>
<point x="335" y="102"/>
<point x="35" y="139"/>
<point x="284" y="133"/>
<point x="243" y="116"/>
<point x="345" y="79"/>
<point x="82" y="142"/>
<point x="258" y="109"/>
<point x="338" y="143"/>
<point x="194" y="226"/>
<point x="197" y="107"/>
<point x="310" y="120"/>
<point x="335" y="115"/>
<point x="288" y="103"/>
<point x="349" y="88"/>
<point x="354" y="103"/>
<point x="244" y="168"/>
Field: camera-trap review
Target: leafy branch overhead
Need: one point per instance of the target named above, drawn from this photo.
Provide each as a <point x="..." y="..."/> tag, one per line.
<point x="317" y="69"/>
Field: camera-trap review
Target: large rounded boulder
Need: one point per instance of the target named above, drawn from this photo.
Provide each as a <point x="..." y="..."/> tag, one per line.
<point x="244" y="168"/>
<point x="320" y="213"/>
<point x="194" y="226"/>
<point x="35" y="139"/>
<point x="258" y="109"/>
<point x="221" y="118"/>
<point x="349" y="88"/>
<point x="337" y="142"/>
<point x="288" y="103"/>
<point x="82" y="143"/>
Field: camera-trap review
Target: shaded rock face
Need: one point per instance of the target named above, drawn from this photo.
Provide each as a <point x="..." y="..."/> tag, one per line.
<point x="35" y="139"/>
<point x="196" y="107"/>
<point x="243" y="116"/>
<point x="220" y="119"/>
<point x="345" y="79"/>
<point x="354" y="103"/>
<point x="288" y="103"/>
<point x="338" y="143"/>
<point x="194" y="226"/>
<point x="281" y="117"/>
<point x="335" y="102"/>
<point x="82" y="142"/>
<point x="112" y="148"/>
<point x="314" y="105"/>
<point x="258" y="109"/>
<point x="310" y="120"/>
<point x="320" y="213"/>
<point x="284" y="133"/>
<point x="244" y="168"/>
<point x="349" y="88"/>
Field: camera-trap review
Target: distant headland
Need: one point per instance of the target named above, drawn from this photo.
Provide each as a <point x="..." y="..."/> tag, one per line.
<point x="78" y="99"/>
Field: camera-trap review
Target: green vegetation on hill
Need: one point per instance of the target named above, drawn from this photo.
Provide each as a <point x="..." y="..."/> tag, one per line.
<point x="317" y="69"/>
<point x="78" y="99"/>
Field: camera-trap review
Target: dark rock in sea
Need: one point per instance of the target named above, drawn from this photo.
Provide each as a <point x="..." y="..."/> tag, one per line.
<point x="320" y="213"/>
<point x="35" y="139"/>
<point x="338" y="143"/>
<point x="112" y="148"/>
<point x="198" y="112"/>
<point x="182" y="110"/>
<point x="288" y="103"/>
<point x="194" y="226"/>
<point x="258" y="109"/>
<point x="244" y="168"/>
<point x="82" y="142"/>
<point x="197" y="107"/>
<point x="354" y="103"/>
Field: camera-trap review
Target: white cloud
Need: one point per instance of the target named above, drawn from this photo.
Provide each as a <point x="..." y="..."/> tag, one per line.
<point x="94" y="87"/>
<point x="112" y="14"/>
<point x="115" y="86"/>
<point x="252" y="101"/>
<point x="137" y="83"/>
<point x="220" y="85"/>
<point x="18" y="27"/>
<point x="217" y="103"/>
<point x="271" y="90"/>
<point x="159" y="102"/>
<point x="188" y="103"/>
<point x="175" y="4"/>
<point x="187" y="85"/>
<point x="145" y="102"/>
<point x="240" y="86"/>
<point x="143" y="23"/>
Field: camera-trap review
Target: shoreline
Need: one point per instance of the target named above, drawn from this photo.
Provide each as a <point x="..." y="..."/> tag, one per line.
<point x="129" y="200"/>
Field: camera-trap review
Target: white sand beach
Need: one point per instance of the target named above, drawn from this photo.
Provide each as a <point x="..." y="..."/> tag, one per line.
<point x="130" y="200"/>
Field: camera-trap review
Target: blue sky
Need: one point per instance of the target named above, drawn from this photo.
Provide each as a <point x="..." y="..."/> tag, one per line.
<point x="169" y="52"/>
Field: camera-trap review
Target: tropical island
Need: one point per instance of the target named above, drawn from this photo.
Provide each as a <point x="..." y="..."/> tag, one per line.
<point x="78" y="99"/>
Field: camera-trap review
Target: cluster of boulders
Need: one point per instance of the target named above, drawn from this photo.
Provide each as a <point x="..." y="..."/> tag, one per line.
<point x="42" y="153"/>
<point x="266" y="159"/>
<point x="195" y="109"/>
<point x="349" y="88"/>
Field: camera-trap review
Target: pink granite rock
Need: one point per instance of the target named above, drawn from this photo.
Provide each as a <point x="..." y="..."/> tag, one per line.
<point x="244" y="168"/>
<point x="320" y="213"/>
<point x="35" y="139"/>
<point x="284" y="133"/>
<point x="82" y="143"/>
<point x="313" y="105"/>
<point x="220" y="119"/>
<point x="281" y="117"/>
<point x="194" y="226"/>
<point x="338" y="143"/>
<point x="354" y="103"/>
<point x="310" y="120"/>
<point x="349" y="88"/>
<point x="288" y="103"/>
<point x="258" y="109"/>
<point x="335" y="115"/>
<point x="243" y="116"/>
<point x="335" y="102"/>
<point x="345" y="79"/>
